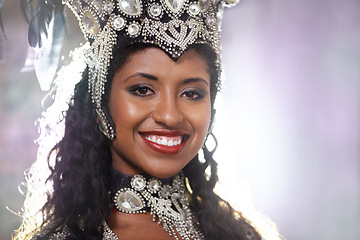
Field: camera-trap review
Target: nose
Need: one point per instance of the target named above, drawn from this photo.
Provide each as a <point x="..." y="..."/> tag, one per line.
<point x="167" y="112"/>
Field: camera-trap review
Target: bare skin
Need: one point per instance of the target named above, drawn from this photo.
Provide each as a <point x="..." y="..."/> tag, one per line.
<point x="137" y="227"/>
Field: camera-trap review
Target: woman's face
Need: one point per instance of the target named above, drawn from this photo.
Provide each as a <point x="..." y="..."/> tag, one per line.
<point x="161" y="109"/>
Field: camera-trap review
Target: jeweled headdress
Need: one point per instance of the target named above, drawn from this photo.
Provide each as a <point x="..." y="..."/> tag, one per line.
<point x="172" y="25"/>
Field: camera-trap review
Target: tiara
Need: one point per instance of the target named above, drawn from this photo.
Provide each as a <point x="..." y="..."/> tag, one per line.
<point x="172" y="25"/>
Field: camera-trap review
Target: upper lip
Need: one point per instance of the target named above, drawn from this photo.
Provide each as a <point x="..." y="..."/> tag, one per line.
<point x="164" y="132"/>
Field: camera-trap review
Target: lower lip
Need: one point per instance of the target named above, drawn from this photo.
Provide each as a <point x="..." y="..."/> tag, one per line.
<point x="164" y="149"/>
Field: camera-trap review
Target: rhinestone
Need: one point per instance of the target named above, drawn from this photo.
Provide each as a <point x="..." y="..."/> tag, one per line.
<point x="130" y="7"/>
<point x="211" y="22"/>
<point x="89" y="23"/>
<point x="155" y="10"/>
<point x="138" y="182"/>
<point x="165" y="192"/>
<point x="118" y="23"/>
<point x="154" y="185"/>
<point x="133" y="29"/>
<point x="108" y="7"/>
<point x="128" y="201"/>
<point x="175" y="5"/>
<point x="194" y="9"/>
<point x="204" y="4"/>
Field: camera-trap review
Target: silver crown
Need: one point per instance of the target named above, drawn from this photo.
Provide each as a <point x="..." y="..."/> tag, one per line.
<point x="172" y="25"/>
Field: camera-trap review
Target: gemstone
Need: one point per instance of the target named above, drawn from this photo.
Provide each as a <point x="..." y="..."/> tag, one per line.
<point x="138" y="182"/>
<point x="90" y="23"/>
<point x="155" y="10"/>
<point x="133" y="29"/>
<point x="154" y="185"/>
<point x="108" y="7"/>
<point x="129" y="201"/>
<point x="211" y="21"/>
<point x="204" y="5"/>
<point x="175" y="5"/>
<point x="165" y="192"/>
<point x="194" y="9"/>
<point x="118" y="23"/>
<point x="130" y="7"/>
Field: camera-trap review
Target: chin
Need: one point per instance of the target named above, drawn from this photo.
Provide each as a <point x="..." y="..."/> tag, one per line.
<point x="163" y="171"/>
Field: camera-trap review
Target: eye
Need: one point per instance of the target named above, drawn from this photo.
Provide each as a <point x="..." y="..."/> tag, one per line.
<point x="193" y="94"/>
<point x="141" y="91"/>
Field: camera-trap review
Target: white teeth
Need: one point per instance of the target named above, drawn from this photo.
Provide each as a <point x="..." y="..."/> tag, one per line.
<point x="164" y="141"/>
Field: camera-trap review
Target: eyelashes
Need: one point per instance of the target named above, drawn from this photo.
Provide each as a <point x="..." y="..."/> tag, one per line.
<point x="193" y="94"/>
<point x="140" y="90"/>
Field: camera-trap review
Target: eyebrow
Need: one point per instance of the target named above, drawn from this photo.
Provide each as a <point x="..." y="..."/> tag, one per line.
<point x="153" y="78"/>
<point x="141" y="74"/>
<point x="191" y="80"/>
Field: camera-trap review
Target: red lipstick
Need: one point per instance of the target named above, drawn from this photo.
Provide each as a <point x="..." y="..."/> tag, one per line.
<point x="168" y="142"/>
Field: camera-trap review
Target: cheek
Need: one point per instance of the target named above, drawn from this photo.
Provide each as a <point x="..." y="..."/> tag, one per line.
<point x="126" y="113"/>
<point x="200" y="119"/>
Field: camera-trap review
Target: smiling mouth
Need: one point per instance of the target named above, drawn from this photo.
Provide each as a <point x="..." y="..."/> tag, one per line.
<point x="164" y="142"/>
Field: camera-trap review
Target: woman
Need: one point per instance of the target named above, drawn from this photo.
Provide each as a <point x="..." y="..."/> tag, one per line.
<point x="128" y="165"/>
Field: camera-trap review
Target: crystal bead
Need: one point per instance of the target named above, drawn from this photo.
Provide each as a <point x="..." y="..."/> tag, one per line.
<point x="194" y="9"/>
<point x="175" y="5"/>
<point x="90" y="23"/>
<point x="129" y="201"/>
<point x="133" y="29"/>
<point x="204" y="5"/>
<point x="130" y="7"/>
<point x="118" y="23"/>
<point x="154" y="185"/>
<point x="155" y="10"/>
<point x="108" y="7"/>
<point x="165" y="192"/>
<point x="138" y="182"/>
<point x="211" y="22"/>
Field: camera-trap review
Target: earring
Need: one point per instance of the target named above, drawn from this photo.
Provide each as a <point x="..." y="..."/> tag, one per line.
<point x="213" y="144"/>
<point x="106" y="125"/>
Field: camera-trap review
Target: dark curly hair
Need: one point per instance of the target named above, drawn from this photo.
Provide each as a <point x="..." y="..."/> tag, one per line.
<point x="80" y="200"/>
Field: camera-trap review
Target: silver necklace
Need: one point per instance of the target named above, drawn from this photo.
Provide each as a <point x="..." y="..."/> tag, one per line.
<point x="165" y="199"/>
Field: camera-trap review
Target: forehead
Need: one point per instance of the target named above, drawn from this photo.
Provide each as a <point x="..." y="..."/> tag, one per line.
<point x="155" y="61"/>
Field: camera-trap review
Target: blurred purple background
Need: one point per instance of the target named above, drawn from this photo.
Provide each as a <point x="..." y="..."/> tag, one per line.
<point x="288" y="120"/>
